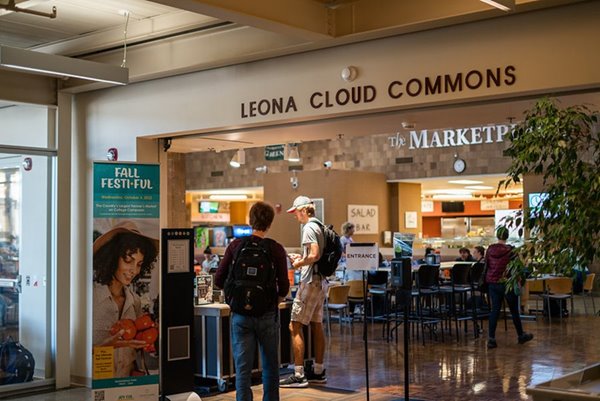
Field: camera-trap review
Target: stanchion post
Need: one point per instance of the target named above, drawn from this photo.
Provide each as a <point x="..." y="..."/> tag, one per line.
<point x="365" y="337"/>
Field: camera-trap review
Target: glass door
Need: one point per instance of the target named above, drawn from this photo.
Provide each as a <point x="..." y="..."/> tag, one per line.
<point x="25" y="264"/>
<point x="27" y="245"/>
<point x="10" y="281"/>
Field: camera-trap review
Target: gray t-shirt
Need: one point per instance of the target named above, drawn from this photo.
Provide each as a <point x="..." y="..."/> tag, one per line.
<point x="311" y="233"/>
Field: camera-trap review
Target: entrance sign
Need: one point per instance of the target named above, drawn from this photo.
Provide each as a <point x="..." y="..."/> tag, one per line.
<point x="365" y="218"/>
<point x="362" y="256"/>
<point x="125" y="362"/>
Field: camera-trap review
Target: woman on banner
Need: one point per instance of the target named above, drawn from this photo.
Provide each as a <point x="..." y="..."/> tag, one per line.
<point x="121" y="256"/>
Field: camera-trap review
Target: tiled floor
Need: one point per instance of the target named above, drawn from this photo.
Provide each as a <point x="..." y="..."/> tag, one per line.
<point x="450" y="370"/>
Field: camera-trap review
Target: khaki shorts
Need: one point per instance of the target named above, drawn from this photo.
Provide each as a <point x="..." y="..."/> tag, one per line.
<point x="308" y="304"/>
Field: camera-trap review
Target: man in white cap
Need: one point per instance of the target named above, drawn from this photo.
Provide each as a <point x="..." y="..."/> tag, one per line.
<point x="308" y="304"/>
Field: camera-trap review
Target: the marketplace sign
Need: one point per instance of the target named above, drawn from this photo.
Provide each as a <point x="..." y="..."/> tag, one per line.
<point x="411" y="87"/>
<point x="446" y="138"/>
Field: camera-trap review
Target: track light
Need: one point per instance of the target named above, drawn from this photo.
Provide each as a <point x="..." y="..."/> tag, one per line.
<point x="294" y="154"/>
<point x="261" y="169"/>
<point x="327" y="164"/>
<point x="504" y="5"/>
<point x="238" y="159"/>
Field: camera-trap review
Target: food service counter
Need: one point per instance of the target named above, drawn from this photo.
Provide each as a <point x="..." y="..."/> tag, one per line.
<point x="212" y="342"/>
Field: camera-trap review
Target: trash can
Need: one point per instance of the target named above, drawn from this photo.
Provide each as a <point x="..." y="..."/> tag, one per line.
<point x="582" y="385"/>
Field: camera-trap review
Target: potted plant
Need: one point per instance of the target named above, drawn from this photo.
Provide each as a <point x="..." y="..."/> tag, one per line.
<point x="563" y="231"/>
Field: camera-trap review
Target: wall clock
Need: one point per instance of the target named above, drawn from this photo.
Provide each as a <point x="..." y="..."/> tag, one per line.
<point x="459" y="165"/>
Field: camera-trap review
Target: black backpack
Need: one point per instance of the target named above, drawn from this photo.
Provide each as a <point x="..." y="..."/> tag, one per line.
<point x="332" y="251"/>
<point x="250" y="287"/>
<point x="16" y="363"/>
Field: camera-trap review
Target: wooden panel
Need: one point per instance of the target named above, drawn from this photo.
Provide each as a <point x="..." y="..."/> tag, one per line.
<point x="409" y="200"/>
<point x="432" y="227"/>
<point x="239" y="212"/>
<point x="337" y="188"/>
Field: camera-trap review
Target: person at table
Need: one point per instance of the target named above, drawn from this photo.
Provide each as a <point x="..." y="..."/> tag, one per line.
<point x="465" y="255"/>
<point x="479" y="254"/>
<point x="428" y="251"/>
<point x="346" y="238"/>
<point x="210" y="262"/>
<point x="497" y="258"/>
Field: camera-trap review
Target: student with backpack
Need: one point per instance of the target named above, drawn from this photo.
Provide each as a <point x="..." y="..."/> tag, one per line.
<point x="308" y="303"/>
<point x="253" y="273"/>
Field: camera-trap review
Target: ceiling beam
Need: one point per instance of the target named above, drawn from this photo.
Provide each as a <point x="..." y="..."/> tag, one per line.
<point x="304" y="19"/>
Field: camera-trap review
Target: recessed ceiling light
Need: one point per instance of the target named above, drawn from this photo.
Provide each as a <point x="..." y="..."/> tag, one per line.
<point x="450" y="191"/>
<point x="453" y="196"/>
<point x="479" y="187"/>
<point x="228" y="197"/>
<point x="465" y="182"/>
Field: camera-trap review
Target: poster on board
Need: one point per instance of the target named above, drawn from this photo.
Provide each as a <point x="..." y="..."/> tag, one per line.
<point x="125" y="274"/>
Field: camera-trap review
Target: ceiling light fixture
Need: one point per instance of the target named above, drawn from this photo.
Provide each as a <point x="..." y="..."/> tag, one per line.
<point x="465" y="182"/>
<point x="479" y="187"/>
<point x="453" y="191"/>
<point x="294" y="154"/>
<point x="238" y="159"/>
<point x="11" y="7"/>
<point x="224" y="197"/>
<point x="262" y="169"/>
<point x="504" y="5"/>
<point x="51" y="64"/>
<point x="452" y="196"/>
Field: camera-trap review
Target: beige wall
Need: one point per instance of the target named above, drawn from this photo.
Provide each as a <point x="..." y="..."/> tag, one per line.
<point x="338" y="189"/>
<point x="409" y="200"/>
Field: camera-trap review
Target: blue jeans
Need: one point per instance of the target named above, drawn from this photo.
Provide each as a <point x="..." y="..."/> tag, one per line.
<point x="497" y="293"/>
<point x="246" y="332"/>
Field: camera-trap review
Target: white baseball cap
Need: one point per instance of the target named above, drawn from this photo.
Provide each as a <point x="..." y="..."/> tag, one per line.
<point x="299" y="203"/>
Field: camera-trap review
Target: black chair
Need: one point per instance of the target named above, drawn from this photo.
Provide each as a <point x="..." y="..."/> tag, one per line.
<point x="427" y="303"/>
<point x="457" y="293"/>
<point x="377" y="288"/>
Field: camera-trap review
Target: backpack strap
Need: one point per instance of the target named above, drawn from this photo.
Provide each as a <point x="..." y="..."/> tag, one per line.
<point x="316" y="264"/>
<point x="243" y="241"/>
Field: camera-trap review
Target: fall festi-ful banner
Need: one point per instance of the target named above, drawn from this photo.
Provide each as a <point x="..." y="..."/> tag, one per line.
<point x="125" y="364"/>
